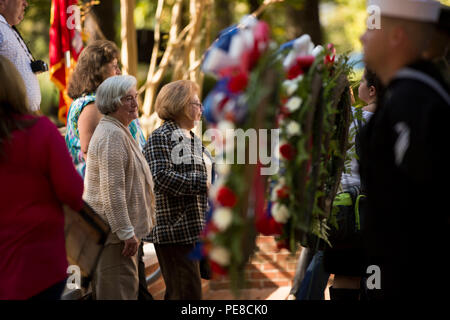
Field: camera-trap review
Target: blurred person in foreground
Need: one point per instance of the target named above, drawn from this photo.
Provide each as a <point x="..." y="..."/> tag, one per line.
<point x="403" y="157"/>
<point x="345" y="259"/>
<point x="37" y="177"/>
<point x="118" y="186"/>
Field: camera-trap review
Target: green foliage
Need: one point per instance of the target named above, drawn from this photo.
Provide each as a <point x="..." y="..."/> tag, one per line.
<point x="344" y="21"/>
<point x="35" y="28"/>
<point x="325" y="140"/>
<point x="50" y="97"/>
<point x="296" y="4"/>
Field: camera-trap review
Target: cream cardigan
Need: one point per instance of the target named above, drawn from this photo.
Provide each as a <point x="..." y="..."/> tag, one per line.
<point x="118" y="183"/>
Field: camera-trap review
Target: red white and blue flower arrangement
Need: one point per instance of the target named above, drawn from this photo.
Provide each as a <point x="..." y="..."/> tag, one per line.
<point x="237" y="59"/>
<point x="313" y="120"/>
<point x="308" y="149"/>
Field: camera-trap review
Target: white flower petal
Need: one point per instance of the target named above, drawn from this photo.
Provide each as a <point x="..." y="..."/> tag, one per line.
<point x="248" y="21"/>
<point x="220" y="255"/>
<point x="280" y="213"/>
<point x="293" y="129"/>
<point x="302" y="45"/>
<point x="293" y="104"/>
<point x="310" y="48"/>
<point x="317" y="50"/>
<point x="289" y="60"/>
<point x="237" y="46"/>
<point x="222" y="218"/>
<point x="291" y="89"/>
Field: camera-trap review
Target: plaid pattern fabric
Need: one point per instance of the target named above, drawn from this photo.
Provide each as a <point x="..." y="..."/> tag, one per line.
<point x="179" y="176"/>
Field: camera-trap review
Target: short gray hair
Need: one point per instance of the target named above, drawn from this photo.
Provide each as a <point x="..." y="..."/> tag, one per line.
<point x="110" y="91"/>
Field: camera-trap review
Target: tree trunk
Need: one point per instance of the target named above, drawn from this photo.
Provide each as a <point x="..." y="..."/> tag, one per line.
<point x="92" y="28"/>
<point x="105" y="13"/>
<point x="254" y="5"/>
<point x="304" y="20"/>
<point x="224" y="16"/>
<point x="128" y="37"/>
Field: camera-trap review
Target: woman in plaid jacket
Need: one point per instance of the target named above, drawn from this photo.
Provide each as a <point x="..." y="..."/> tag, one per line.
<point x="181" y="181"/>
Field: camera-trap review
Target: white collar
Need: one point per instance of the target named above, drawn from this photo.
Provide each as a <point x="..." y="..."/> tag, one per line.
<point x="2" y="19"/>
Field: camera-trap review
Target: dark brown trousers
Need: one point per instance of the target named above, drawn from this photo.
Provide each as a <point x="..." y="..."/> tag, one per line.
<point x="181" y="274"/>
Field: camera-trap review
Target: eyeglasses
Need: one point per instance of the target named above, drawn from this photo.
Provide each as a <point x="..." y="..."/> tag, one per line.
<point x="129" y="98"/>
<point x="197" y="104"/>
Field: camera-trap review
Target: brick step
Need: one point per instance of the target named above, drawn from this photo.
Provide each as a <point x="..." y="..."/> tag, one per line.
<point x="269" y="268"/>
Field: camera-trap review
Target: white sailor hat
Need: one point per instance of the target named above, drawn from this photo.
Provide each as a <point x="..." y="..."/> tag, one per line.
<point x="418" y="10"/>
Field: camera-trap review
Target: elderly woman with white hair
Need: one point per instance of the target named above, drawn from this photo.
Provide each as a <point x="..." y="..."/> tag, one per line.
<point x="118" y="186"/>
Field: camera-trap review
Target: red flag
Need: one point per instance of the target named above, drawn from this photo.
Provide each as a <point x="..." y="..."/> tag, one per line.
<point x="65" y="47"/>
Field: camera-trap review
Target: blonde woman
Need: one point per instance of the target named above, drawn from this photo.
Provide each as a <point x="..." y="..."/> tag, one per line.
<point x="181" y="185"/>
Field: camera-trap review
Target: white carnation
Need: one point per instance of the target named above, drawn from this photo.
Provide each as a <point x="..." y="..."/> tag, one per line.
<point x="280" y="213"/>
<point x="222" y="218"/>
<point x="317" y="50"/>
<point x="290" y="87"/>
<point x="293" y="104"/>
<point x="220" y="255"/>
<point x="303" y="45"/>
<point x="293" y="129"/>
<point x="289" y="60"/>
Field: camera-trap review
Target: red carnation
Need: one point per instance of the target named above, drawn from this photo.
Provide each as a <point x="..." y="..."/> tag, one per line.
<point x="283" y="192"/>
<point x="275" y="227"/>
<point x="238" y="82"/>
<point x="305" y="62"/>
<point x="287" y="151"/>
<point x="329" y="60"/>
<point x="284" y="110"/>
<point x="226" y="197"/>
<point x="267" y="226"/>
<point x="217" y="269"/>
<point x="294" y="71"/>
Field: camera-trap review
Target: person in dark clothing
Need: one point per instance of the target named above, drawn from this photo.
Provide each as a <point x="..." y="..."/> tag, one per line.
<point x="403" y="166"/>
<point x="345" y="259"/>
